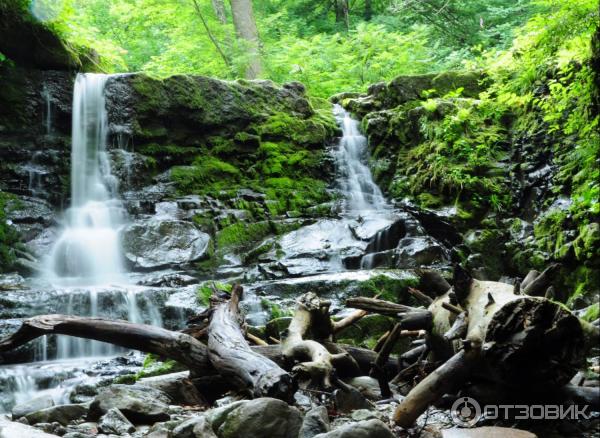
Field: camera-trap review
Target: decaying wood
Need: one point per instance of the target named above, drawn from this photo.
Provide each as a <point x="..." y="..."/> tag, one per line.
<point x="178" y="346"/>
<point x="314" y="360"/>
<point x="538" y="286"/>
<point x="425" y="299"/>
<point x="378" y="306"/>
<point x="432" y="282"/>
<point x="445" y="378"/>
<point x="521" y="340"/>
<point x="340" y="325"/>
<point x="377" y="370"/>
<point x="231" y="355"/>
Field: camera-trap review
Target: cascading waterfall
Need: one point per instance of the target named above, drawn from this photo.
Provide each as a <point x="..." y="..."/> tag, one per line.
<point x="87" y="252"/>
<point x="362" y="195"/>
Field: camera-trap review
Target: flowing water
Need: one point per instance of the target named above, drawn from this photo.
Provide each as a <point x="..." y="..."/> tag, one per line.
<point x="86" y="263"/>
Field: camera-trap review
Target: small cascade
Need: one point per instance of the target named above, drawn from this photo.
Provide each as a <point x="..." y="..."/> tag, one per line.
<point x="362" y="195"/>
<point x="47" y="114"/>
<point x="88" y="251"/>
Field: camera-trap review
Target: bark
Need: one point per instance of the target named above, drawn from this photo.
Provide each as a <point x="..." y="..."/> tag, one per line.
<point x="219" y="8"/>
<point x="318" y="367"/>
<point x="178" y="346"/>
<point x="246" y="30"/>
<point x="341" y="13"/>
<point x="378" y="306"/>
<point x="231" y="355"/>
<point x="447" y="377"/>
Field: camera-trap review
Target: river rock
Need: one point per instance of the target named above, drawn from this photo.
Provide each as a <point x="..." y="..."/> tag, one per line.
<point x="36" y="404"/>
<point x="259" y="418"/>
<point x="115" y="422"/>
<point x="178" y="386"/>
<point x="197" y="427"/>
<point x="158" y="242"/>
<point x="316" y="421"/>
<point x="362" y="429"/>
<point x="140" y="404"/>
<point x="487" y="432"/>
<point x="12" y="429"/>
<point x="62" y="414"/>
<point x="413" y="252"/>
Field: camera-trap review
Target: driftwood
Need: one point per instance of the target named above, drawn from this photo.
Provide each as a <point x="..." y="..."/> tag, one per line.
<point x="229" y="353"/>
<point x="314" y="360"/>
<point x="179" y="346"/>
<point x="520" y="340"/>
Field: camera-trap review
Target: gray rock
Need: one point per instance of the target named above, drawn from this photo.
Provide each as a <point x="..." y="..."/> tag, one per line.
<point x="413" y="252"/>
<point x="368" y="386"/>
<point x="115" y="422"/>
<point x="11" y="429"/>
<point x="487" y="432"/>
<point x="361" y="429"/>
<point x="36" y="404"/>
<point x="160" y="242"/>
<point x="178" y="386"/>
<point x="11" y="281"/>
<point x="316" y="421"/>
<point x="348" y="399"/>
<point x="259" y="418"/>
<point x="140" y="404"/>
<point x="62" y="414"/>
<point x="197" y="427"/>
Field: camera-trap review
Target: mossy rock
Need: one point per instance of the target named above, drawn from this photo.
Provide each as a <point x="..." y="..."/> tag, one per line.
<point x="30" y="42"/>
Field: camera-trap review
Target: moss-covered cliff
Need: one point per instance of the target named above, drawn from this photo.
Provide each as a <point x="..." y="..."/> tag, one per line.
<point x="509" y="156"/>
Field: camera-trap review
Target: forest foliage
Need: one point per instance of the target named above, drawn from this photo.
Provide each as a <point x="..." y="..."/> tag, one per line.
<point x="329" y="45"/>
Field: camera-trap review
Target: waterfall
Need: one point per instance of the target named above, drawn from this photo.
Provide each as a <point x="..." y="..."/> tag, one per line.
<point x="362" y="195"/>
<point x="88" y="251"/>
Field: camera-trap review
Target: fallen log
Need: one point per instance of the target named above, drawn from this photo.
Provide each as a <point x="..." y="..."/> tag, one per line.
<point x="522" y="341"/>
<point x="230" y="354"/>
<point x="150" y="339"/>
<point x="318" y="367"/>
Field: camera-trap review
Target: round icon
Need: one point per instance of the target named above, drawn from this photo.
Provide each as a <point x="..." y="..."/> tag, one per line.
<point x="466" y="411"/>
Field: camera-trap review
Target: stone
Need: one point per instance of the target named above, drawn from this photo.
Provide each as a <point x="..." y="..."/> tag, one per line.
<point x="140" y="404"/>
<point x="316" y="421"/>
<point x="11" y="429"/>
<point x="413" y="252"/>
<point x="258" y="418"/>
<point x="159" y="242"/>
<point x="197" y="427"/>
<point x="178" y="386"/>
<point x="368" y="386"/>
<point x="115" y="422"/>
<point x="36" y="404"/>
<point x="348" y="399"/>
<point x="362" y="429"/>
<point x="487" y="432"/>
<point x="62" y="414"/>
<point x="11" y="282"/>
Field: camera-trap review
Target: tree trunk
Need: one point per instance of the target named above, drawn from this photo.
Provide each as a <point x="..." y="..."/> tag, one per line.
<point x="368" y="10"/>
<point x="341" y="13"/>
<point x="178" y="346"/>
<point x="231" y="355"/>
<point x="246" y="30"/>
<point x="219" y="8"/>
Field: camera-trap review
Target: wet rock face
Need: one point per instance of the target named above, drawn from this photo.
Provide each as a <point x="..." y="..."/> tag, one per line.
<point x="361" y="429"/>
<point x="159" y="242"/>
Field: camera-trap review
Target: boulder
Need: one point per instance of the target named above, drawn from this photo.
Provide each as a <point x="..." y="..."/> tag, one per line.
<point x="316" y="421"/>
<point x="262" y="417"/>
<point x="11" y="429"/>
<point x="140" y="404"/>
<point x="197" y="427"/>
<point x="157" y="242"/>
<point x="62" y="414"/>
<point x="178" y="386"/>
<point x="362" y="429"/>
<point x="115" y="422"/>
<point x="36" y="404"/>
<point x="413" y="252"/>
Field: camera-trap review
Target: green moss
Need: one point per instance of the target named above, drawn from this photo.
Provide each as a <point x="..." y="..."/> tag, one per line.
<point x="9" y="237"/>
<point x="204" y="174"/>
<point x="205" y="291"/>
<point x="389" y="288"/>
<point x="592" y="313"/>
<point x="240" y="235"/>
<point x="153" y="366"/>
